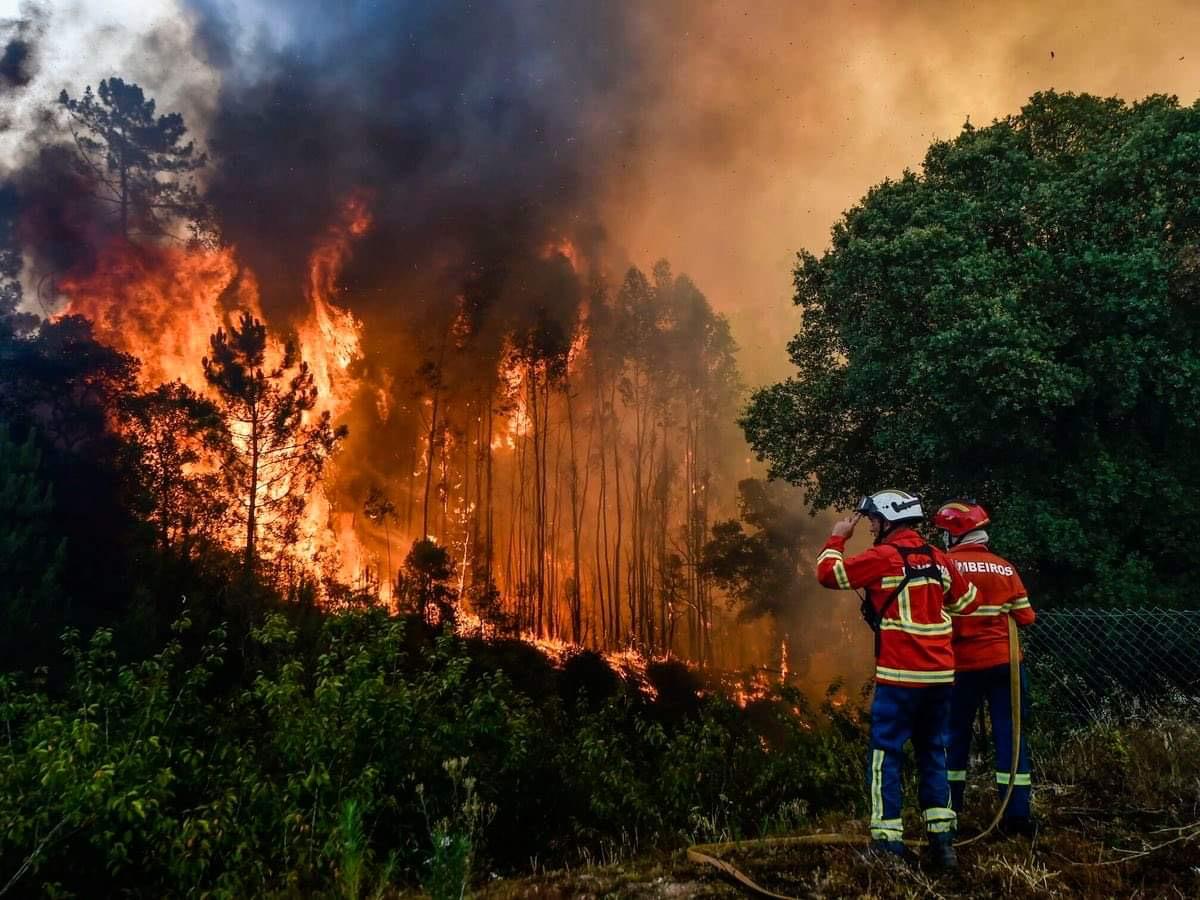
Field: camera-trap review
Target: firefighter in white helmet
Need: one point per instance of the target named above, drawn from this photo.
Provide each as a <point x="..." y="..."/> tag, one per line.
<point x="912" y="590"/>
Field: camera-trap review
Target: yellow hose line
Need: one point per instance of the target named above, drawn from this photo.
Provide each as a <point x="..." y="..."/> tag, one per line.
<point x="1014" y="697"/>
<point x="706" y="854"/>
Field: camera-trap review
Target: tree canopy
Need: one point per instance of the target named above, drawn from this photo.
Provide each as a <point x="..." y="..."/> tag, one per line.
<point x="137" y="160"/>
<point x="761" y="568"/>
<point x="1018" y="322"/>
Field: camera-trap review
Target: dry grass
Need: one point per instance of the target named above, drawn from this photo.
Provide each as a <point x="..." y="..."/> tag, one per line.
<point x="1060" y="864"/>
<point x="1120" y="805"/>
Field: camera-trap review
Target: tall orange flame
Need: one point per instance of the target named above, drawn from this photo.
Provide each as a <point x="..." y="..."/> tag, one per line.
<point x="330" y="337"/>
<point x="161" y="304"/>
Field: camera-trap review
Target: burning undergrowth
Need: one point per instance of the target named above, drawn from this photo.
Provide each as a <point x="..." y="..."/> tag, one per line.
<point x="672" y="682"/>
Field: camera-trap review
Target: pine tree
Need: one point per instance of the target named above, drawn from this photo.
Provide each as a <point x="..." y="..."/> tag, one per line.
<point x="171" y="431"/>
<point x="137" y="160"/>
<point x="275" y="458"/>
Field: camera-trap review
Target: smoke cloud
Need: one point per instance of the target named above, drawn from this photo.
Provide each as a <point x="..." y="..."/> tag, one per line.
<point x="480" y="131"/>
<point x="724" y="137"/>
<point x="786" y="113"/>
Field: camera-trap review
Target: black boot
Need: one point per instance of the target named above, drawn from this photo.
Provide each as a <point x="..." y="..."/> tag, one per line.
<point x="940" y="852"/>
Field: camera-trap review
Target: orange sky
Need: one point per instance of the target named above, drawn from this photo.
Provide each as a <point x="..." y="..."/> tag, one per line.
<point x="777" y="116"/>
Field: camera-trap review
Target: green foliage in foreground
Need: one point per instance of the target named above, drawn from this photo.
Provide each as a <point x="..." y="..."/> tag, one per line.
<point x="1020" y="322"/>
<point x="369" y="756"/>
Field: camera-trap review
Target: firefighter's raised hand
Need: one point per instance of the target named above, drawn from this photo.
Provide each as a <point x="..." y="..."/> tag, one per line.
<point x="845" y="527"/>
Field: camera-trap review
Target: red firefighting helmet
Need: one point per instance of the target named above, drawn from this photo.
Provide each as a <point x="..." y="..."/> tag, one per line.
<point x="959" y="517"/>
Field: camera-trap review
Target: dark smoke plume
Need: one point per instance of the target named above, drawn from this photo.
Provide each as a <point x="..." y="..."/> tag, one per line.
<point x="12" y="64"/>
<point x="484" y="141"/>
<point x="18" y="62"/>
<point x="478" y="130"/>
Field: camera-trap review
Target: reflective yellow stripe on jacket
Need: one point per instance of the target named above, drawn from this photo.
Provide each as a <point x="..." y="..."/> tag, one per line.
<point x="962" y="602"/>
<point x="1002" y="609"/>
<point x="940" y="676"/>
<point x="904" y="601"/>
<point x="839" y="566"/>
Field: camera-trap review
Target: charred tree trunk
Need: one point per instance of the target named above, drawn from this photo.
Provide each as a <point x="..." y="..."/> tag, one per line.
<point x="433" y="420"/>
<point x="539" y="487"/>
<point x="489" y="561"/>
<point x="412" y="485"/>
<point x="578" y="503"/>
<point x="599" y="416"/>
<point x="554" y="529"/>
<point x="615" y="591"/>
<point x="252" y="506"/>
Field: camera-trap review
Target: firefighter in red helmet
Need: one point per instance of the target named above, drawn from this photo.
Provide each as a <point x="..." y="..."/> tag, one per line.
<point x="981" y="655"/>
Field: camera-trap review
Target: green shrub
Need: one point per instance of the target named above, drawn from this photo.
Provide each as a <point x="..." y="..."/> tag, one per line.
<point x="351" y="757"/>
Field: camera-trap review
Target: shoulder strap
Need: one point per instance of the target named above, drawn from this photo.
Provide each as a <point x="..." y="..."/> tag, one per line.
<point x="875" y="619"/>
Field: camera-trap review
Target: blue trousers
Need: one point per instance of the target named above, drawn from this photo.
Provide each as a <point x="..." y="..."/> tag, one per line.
<point x="971" y="690"/>
<point x="898" y="715"/>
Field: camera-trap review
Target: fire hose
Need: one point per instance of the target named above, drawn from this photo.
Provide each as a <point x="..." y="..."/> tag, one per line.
<point x="708" y="854"/>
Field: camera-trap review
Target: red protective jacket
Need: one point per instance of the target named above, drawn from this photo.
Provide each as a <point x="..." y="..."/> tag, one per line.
<point x="915" y="637"/>
<point x="981" y="639"/>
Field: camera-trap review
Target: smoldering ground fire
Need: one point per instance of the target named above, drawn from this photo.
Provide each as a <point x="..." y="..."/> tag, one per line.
<point x="422" y="218"/>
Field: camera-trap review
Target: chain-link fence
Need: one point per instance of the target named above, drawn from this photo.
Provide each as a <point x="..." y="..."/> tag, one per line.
<point x="1085" y="663"/>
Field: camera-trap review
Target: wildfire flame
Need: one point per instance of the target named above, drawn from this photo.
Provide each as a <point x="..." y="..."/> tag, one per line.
<point x="518" y="423"/>
<point x="161" y="304"/>
<point x="331" y="337"/>
<point x="565" y="248"/>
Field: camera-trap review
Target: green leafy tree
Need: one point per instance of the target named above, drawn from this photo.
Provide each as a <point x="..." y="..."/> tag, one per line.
<point x="32" y="556"/>
<point x="276" y="454"/>
<point x="1019" y="321"/>
<point x="137" y="160"/>
<point x="759" y="567"/>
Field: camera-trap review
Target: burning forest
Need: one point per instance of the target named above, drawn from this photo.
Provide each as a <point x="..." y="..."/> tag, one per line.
<point x="413" y="371"/>
<point x="558" y="443"/>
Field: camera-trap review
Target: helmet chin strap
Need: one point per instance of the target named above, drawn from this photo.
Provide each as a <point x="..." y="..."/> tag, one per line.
<point x="885" y="528"/>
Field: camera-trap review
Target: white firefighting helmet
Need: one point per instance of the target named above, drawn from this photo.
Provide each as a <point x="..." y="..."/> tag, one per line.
<point x="892" y="506"/>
